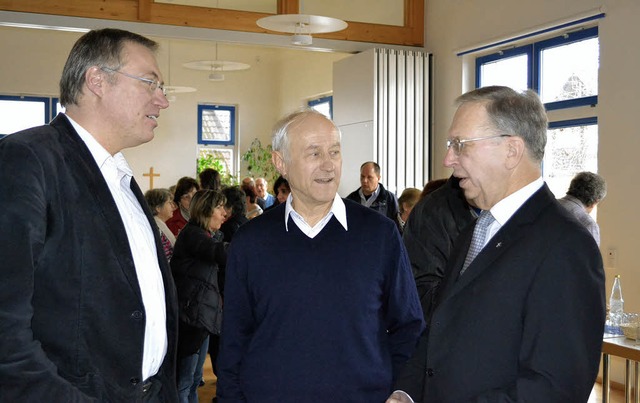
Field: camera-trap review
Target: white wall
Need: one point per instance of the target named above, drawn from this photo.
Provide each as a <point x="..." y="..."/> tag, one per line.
<point x="457" y="24"/>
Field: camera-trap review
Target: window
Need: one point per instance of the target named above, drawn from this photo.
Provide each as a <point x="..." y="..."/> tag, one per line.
<point x="564" y="71"/>
<point x="572" y="147"/>
<point x="323" y="105"/>
<point x="216" y="140"/>
<point x="19" y="113"/>
<point x="219" y="158"/>
<point x="567" y="69"/>
<point x="216" y="124"/>
<point x="510" y="68"/>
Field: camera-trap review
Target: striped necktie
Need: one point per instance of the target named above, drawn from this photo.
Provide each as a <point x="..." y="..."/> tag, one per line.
<point x="478" y="241"/>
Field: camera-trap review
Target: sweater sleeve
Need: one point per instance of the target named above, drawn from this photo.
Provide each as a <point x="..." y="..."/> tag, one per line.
<point x="403" y="313"/>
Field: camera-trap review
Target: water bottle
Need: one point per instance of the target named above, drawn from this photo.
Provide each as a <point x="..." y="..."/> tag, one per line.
<point x="616" y="308"/>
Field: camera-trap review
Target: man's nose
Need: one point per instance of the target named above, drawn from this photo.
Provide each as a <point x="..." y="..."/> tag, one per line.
<point x="450" y="158"/>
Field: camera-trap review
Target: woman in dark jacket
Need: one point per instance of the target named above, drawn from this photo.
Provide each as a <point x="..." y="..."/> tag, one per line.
<point x="195" y="264"/>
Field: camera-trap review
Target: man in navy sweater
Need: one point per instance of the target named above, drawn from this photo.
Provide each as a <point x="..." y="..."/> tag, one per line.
<point x="324" y="308"/>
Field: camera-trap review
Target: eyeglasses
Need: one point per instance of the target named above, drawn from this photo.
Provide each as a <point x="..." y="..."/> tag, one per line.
<point x="458" y="144"/>
<point x="153" y="84"/>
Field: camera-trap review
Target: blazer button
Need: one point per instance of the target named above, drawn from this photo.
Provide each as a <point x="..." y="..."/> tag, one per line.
<point x="134" y="381"/>
<point x="136" y="315"/>
<point x="429" y="372"/>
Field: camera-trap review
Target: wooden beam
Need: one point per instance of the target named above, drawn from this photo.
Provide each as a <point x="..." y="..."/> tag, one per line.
<point x="288" y="6"/>
<point x="144" y="10"/>
<point x="148" y="11"/>
<point x="414" y="19"/>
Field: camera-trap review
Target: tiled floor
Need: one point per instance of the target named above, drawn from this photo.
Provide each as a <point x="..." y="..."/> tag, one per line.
<point x="208" y="391"/>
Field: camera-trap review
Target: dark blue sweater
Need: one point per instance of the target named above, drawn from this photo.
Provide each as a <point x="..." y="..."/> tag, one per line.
<point x="312" y="320"/>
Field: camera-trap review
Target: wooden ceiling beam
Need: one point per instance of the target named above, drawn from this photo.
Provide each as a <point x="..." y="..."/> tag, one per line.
<point x="148" y="11"/>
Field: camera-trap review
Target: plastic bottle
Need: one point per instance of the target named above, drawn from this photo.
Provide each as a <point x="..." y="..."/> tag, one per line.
<point x="616" y="307"/>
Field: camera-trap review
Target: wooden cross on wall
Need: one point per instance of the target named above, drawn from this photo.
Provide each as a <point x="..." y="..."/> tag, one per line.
<point x="150" y="174"/>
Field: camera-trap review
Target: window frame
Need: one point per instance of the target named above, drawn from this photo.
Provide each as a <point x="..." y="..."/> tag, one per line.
<point x="565" y="39"/>
<point x="560" y="124"/>
<point x="45" y="100"/>
<point x="232" y="109"/>
<point x="321" y="100"/>
<point x="506" y="54"/>
<point x="534" y="51"/>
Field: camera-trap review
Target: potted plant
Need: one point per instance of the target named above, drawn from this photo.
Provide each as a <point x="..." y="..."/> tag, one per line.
<point x="258" y="159"/>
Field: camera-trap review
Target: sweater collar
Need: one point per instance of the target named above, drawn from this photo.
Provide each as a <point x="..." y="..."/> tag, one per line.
<point x="338" y="210"/>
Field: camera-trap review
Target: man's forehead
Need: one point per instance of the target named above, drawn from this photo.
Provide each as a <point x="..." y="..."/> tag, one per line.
<point x="470" y="118"/>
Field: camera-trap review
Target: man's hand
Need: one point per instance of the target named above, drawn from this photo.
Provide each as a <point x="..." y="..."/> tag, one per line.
<point x="399" y="397"/>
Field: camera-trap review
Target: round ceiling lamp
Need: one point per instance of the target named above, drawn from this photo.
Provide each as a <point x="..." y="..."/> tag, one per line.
<point x="175" y="89"/>
<point x="222" y="65"/>
<point x="301" y="26"/>
<point x="216" y="67"/>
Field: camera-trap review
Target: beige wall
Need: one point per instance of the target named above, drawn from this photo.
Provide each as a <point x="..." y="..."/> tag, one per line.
<point x="458" y="24"/>
<point x="278" y="81"/>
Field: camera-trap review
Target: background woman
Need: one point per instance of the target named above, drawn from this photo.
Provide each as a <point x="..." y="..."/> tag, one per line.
<point x="281" y="189"/>
<point x="196" y="260"/>
<point x="185" y="189"/>
<point x="162" y="206"/>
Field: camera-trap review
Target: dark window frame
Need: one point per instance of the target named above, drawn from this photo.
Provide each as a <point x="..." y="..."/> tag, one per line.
<point x="324" y="99"/>
<point x="46" y="100"/>
<point x="534" y="51"/>
<point x="232" y="127"/>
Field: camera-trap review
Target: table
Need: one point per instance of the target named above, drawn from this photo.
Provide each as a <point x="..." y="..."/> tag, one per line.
<point x="625" y="348"/>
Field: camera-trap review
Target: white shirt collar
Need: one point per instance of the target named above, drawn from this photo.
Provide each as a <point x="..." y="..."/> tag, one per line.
<point x="99" y="153"/>
<point x="338" y="210"/>
<point x="505" y="208"/>
<point x="368" y="202"/>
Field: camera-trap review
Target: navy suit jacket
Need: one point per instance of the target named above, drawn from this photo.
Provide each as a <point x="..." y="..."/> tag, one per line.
<point x="525" y="321"/>
<point x="72" y="319"/>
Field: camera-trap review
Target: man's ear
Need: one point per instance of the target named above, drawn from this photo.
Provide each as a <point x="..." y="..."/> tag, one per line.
<point x="515" y="151"/>
<point x="95" y="80"/>
<point x="278" y="161"/>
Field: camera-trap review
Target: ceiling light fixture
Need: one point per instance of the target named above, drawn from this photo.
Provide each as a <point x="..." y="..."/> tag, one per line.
<point x="301" y="26"/>
<point x="215" y="67"/>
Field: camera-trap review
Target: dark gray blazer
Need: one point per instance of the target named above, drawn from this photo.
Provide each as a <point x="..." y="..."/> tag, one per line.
<point x="525" y="321"/>
<point x="71" y="314"/>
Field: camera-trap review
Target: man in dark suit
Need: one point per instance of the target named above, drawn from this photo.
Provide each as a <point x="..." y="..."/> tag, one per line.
<point x="523" y="320"/>
<point x="433" y="226"/>
<point x="88" y="307"/>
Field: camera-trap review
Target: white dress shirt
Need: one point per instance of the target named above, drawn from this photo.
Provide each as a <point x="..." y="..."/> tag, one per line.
<point x="505" y="208"/>
<point x="337" y="209"/>
<point x="118" y="174"/>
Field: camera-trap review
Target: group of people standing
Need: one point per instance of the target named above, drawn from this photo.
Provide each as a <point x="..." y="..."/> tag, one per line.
<point x="326" y="306"/>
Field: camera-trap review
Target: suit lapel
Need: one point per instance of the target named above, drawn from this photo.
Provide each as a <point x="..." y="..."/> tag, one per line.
<point x="508" y="235"/>
<point x="81" y="163"/>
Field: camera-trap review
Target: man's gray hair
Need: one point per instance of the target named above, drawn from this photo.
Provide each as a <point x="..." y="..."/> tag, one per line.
<point x="588" y="187"/>
<point x="280" y="134"/>
<point x="520" y="114"/>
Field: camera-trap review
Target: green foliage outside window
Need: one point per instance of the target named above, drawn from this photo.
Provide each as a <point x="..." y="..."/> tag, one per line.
<point x="209" y="160"/>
